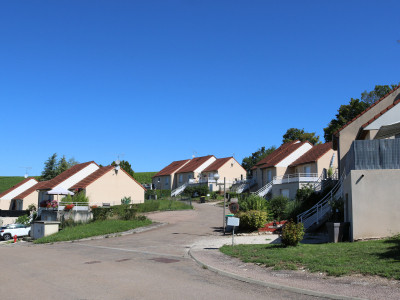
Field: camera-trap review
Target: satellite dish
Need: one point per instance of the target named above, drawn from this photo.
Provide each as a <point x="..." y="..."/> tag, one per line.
<point x="26" y="175"/>
<point x="117" y="162"/>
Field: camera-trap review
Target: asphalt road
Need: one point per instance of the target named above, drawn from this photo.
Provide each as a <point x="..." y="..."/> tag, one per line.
<point x="148" y="265"/>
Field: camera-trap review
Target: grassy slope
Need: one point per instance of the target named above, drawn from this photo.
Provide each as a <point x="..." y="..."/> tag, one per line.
<point x="8" y="181"/>
<point x="144" y="177"/>
<point x="380" y="258"/>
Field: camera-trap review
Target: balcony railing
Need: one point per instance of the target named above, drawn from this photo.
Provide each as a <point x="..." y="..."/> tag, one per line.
<point x="298" y="177"/>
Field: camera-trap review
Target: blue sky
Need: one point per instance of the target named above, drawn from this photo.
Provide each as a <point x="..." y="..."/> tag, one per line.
<point x="159" y="81"/>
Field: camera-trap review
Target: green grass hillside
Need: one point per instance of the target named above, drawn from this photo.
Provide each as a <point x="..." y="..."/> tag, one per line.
<point x="8" y="181"/>
<point x="144" y="177"/>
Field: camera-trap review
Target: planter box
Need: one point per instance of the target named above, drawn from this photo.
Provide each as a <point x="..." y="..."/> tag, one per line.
<point x="338" y="232"/>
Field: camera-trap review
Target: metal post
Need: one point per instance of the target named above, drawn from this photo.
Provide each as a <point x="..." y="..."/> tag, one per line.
<point x="224" y="206"/>
<point x="233" y="235"/>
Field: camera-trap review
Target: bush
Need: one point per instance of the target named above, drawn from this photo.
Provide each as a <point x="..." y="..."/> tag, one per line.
<point x="292" y="233"/>
<point x="277" y="205"/>
<point x="78" y="197"/>
<point x="252" y="220"/>
<point x="159" y="193"/>
<point x="199" y="190"/>
<point x="121" y="212"/>
<point x="253" y="202"/>
<point x="32" y="207"/>
<point x="100" y="213"/>
<point x="23" y="220"/>
<point x="126" y="200"/>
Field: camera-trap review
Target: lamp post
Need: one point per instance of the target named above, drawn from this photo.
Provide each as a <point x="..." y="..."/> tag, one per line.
<point x="216" y="177"/>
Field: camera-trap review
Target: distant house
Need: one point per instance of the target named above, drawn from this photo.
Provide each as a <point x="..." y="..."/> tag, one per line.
<point x="7" y="198"/>
<point x="166" y="178"/>
<point x="369" y="162"/>
<point x="192" y="170"/>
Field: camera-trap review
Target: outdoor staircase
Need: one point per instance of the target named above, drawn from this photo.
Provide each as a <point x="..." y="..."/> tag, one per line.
<point x="241" y="187"/>
<point x="319" y="212"/>
<point x="179" y="190"/>
<point x="264" y="190"/>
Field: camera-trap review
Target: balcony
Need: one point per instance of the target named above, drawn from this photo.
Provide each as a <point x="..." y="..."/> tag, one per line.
<point x="297" y="177"/>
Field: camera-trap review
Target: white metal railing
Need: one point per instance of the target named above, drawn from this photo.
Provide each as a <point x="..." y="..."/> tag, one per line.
<point x="297" y="177"/>
<point x="179" y="190"/>
<point x="77" y="206"/>
<point x="209" y="181"/>
<point x="242" y="185"/>
<point x="265" y="189"/>
<point x="316" y="213"/>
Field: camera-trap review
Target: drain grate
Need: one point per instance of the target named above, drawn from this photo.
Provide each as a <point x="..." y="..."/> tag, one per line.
<point x="92" y="262"/>
<point x="165" y="260"/>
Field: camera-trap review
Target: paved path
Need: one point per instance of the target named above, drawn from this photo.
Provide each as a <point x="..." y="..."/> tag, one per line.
<point x="156" y="265"/>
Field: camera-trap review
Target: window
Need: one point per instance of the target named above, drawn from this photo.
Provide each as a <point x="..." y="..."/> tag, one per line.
<point x="166" y="180"/>
<point x="269" y="175"/>
<point x="285" y="193"/>
<point x="180" y="177"/>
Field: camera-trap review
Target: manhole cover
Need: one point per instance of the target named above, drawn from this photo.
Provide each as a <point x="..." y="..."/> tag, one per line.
<point x="92" y="262"/>
<point x="164" y="260"/>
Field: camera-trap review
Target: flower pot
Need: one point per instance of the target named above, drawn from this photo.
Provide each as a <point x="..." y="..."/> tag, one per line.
<point x="338" y="232"/>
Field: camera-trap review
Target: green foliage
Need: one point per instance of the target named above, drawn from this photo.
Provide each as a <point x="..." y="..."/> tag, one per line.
<point x="78" y="197"/>
<point x="126" y="166"/>
<point x="253" y="202"/>
<point x="252" y="219"/>
<point x="278" y="206"/>
<point x="144" y="177"/>
<point x="292" y="233"/>
<point x="306" y="198"/>
<point x="348" y="112"/>
<point x="199" y="190"/>
<point x="120" y="212"/>
<point x="53" y="168"/>
<point x="249" y="161"/>
<point x="126" y="200"/>
<point x="32" y="207"/>
<point x="294" y="134"/>
<point x="23" y="220"/>
<point x="161" y="205"/>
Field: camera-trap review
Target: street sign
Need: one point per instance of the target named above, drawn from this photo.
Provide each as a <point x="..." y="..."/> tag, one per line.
<point x="234" y="207"/>
<point x="232" y="221"/>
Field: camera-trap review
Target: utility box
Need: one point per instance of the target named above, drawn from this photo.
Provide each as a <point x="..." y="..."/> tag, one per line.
<point x="44" y="228"/>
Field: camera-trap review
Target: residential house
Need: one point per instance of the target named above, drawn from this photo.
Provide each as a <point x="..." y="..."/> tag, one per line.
<point x="166" y="178"/>
<point x="109" y="185"/>
<point x="292" y="166"/>
<point x="227" y="168"/>
<point x="192" y="170"/>
<point x="6" y="197"/>
<point x="369" y="156"/>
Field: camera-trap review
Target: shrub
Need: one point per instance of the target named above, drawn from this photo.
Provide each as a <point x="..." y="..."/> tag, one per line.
<point x="121" y="212"/>
<point x="126" y="200"/>
<point x="100" y="213"/>
<point x="252" y="220"/>
<point x="278" y="205"/>
<point x="159" y="193"/>
<point x="199" y="190"/>
<point x="292" y="233"/>
<point x="78" y="197"/>
<point x="32" y="207"/>
<point x="253" y="202"/>
<point x="25" y="220"/>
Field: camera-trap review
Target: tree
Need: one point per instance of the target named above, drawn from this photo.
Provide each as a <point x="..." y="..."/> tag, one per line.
<point x="50" y="168"/>
<point x="348" y="112"/>
<point x="72" y="162"/>
<point x="250" y="161"/>
<point x="126" y="166"/>
<point x="293" y="134"/>
<point x="62" y="165"/>
<point x="344" y="115"/>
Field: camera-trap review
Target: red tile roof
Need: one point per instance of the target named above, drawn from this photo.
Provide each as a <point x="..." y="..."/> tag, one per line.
<point x="217" y="164"/>
<point x="313" y="154"/>
<point x="92" y="177"/>
<point x="279" y="154"/>
<point x="172" y="167"/>
<point x="29" y="191"/>
<point x="65" y="175"/>
<point x="381" y="113"/>
<point x="194" y="164"/>
<point x="364" y="111"/>
<point x="16" y="186"/>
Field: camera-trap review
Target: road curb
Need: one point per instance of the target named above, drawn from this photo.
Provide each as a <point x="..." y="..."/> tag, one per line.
<point x="269" y="284"/>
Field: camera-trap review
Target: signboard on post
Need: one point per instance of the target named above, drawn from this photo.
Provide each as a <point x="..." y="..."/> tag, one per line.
<point x="234" y="222"/>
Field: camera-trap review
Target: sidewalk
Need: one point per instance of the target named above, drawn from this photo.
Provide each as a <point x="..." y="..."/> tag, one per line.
<point x="205" y="252"/>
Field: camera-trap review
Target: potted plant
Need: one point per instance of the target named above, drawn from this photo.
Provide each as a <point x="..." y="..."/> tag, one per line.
<point x="338" y="230"/>
<point x="69" y="206"/>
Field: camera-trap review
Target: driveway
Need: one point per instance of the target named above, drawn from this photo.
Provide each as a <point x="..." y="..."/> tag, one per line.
<point x="150" y="265"/>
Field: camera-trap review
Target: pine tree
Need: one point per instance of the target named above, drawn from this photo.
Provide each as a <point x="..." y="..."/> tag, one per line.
<point x="62" y="165"/>
<point x="50" y="168"/>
